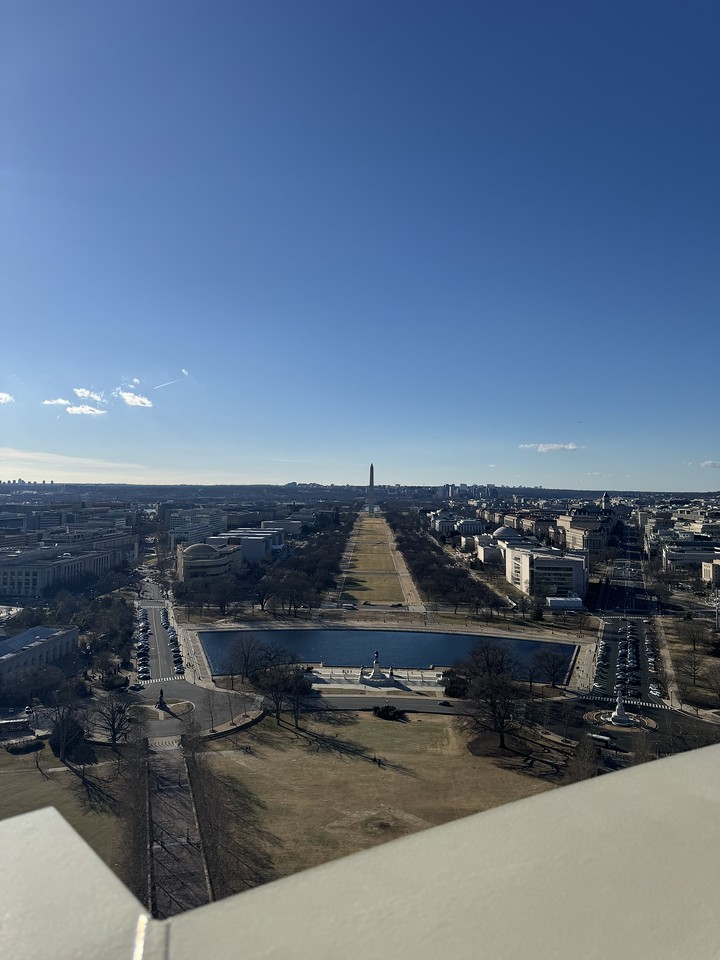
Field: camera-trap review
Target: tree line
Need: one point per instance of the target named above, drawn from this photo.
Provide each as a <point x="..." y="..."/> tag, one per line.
<point x="271" y="670"/>
<point x="106" y="632"/>
<point x="299" y="580"/>
<point x="439" y="579"/>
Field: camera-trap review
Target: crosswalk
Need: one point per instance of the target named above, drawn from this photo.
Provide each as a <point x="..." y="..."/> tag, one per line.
<point x="160" y="680"/>
<point x="627" y="702"/>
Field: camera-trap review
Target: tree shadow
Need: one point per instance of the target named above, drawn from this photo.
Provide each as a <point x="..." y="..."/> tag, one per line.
<point x="238" y="848"/>
<point x="334" y="718"/>
<point x="92" y="792"/>
<point x="317" y="742"/>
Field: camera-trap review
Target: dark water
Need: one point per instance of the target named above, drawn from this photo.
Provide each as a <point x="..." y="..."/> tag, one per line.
<point x="355" y="648"/>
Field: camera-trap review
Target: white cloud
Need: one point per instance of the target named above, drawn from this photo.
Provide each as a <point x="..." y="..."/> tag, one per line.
<point x="711" y="463"/>
<point x="133" y="399"/>
<point x="135" y="381"/>
<point x="6" y="398"/>
<point x="548" y="447"/>
<point x="184" y="372"/>
<point x="86" y="394"/>
<point x="85" y="410"/>
<point x="56" y="403"/>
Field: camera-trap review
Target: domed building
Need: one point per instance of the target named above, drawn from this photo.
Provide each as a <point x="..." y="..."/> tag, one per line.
<point x="507" y="533"/>
<point x="201" y="561"/>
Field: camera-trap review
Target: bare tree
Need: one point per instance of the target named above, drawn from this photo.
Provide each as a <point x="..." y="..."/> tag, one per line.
<point x="694" y="632"/>
<point x="246" y="655"/>
<point x="551" y="665"/>
<point x="68" y="727"/>
<point x="112" y="716"/>
<point x="210" y="705"/>
<point x="192" y="734"/>
<point x="584" y="763"/>
<point x="531" y="674"/>
<point x="691" y="666"/>
<point x="299" y="686"/>
<point x="492" y="693"/>
<point x="274" y="682"/>
<point x="230" y="704"/>
<point x="712" y="680"/>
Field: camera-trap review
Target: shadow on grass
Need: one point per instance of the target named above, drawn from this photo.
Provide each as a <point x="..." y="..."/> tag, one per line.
<point x="238" y="848"/>
<point x="93" y="791"/>
<point x="334" y="718"/>
<point x="332" y="743"/>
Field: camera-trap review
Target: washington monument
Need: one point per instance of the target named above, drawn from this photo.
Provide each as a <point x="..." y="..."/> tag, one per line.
<point x="371" y="490"/>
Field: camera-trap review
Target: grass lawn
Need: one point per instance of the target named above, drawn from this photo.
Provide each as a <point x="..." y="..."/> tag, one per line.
<point x="24" y="788"/>
<point x="322" y="796"/>
<point x="697" y="694"/>
<point x="372" y="574"/>
<point x="375" y="588"/>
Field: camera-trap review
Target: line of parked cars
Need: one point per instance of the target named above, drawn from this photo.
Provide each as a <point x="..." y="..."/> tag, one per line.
<point x="142" y="647"/>
<point x="651" y="654"/>
<point x="627" y="673"/>
<point x="173" y="643"/>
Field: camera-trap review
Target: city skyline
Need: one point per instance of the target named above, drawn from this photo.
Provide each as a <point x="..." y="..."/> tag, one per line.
<point x="251" y="245"/>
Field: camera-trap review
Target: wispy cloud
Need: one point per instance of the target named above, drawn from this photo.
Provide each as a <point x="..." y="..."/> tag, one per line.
<point x="6" y="398"/>
<point x="56" y="403"/>
<point x="548" y="447"/>
<point x="711" y="463"/>
<point x="135" y="381"/>
<point x="39" y="457"/>
<point x="85" y="410"/>
<point x="169" y="383"/>
<point x="133" y="399"/>
<point x="86" y="394"/>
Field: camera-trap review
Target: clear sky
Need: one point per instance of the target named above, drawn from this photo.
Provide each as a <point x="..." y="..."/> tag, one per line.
<point x="275" y="240"/>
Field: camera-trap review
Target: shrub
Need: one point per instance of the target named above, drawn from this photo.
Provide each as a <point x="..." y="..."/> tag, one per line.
<point x="389" y="712"/>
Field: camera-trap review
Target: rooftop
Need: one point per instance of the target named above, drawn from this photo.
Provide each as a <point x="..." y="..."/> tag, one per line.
<point x="22" y="640"/>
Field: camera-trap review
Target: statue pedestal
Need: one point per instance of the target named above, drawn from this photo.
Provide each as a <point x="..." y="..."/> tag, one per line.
<point x="377" y="673"/>
<point x="619" y="718"/>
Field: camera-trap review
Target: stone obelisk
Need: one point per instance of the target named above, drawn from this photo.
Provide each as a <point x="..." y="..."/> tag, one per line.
<point x="371" y="490"/>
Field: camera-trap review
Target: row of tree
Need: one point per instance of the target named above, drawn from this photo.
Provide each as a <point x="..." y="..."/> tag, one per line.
<point x="299" y="580"/>
<point x="435" y="573"/>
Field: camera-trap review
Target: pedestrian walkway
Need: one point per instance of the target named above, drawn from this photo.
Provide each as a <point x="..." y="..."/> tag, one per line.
<point x="178" y="871"/>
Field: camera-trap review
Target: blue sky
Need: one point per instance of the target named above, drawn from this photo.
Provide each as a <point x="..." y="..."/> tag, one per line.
<point x="273" y="241"/>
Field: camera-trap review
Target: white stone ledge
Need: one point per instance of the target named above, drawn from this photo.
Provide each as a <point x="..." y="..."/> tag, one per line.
<point x="628" y="864"/>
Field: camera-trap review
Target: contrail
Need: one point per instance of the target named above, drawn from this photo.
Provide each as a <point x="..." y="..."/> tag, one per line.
<point x="169" y="383"/>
